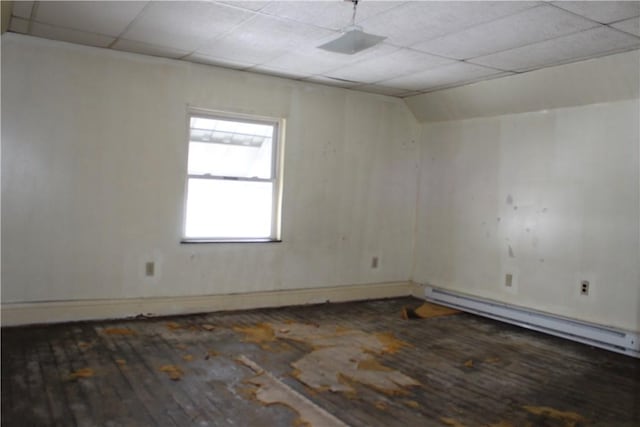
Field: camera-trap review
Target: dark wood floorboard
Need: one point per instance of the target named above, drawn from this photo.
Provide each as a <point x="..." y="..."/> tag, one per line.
<point x="472" y="372"/>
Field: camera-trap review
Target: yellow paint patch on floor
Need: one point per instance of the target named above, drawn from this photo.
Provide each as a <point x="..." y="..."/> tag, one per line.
<point x="426" y="311"/>
<point x="469" y="363"/>
<point x="174" y="372"/>
<point x="260" y="334"/>
<point x="411" y="404"/>
<point x="390" y="342"/>
<point x="273" y="391"/>
<point x="501" y="423"/>
<point x="118" y="331"/>
<point x="342" y="357"/>
<point x="187" y="358"/>
<point x="570" y="419"/>
<point x="82" y="373"/>
<point x="173" y="326"/>
<point x="382" y="405"/>
<point x="210" y="354"/>
<point x="372" y="365"/>
<point x="451" y="422"/>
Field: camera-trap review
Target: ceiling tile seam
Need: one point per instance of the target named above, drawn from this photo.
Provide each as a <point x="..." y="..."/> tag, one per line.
<point x="596" y="25"/>
<point x="253" y="16"/>
<point x="32" y="16"/>
<point x="129" y="25"/>
<point x="619" y="30"/>
<point x="577" y="14"/>
<point x="477" y="24"/>
<point x="471" y="60"/>
<point x="68" y="29"/>
<point x="284" y="18"/>
<point x="466" y="82"/>
<point x="398" y="48"/>
<point x="576" y="59"/>
<point x="498" y="70"/>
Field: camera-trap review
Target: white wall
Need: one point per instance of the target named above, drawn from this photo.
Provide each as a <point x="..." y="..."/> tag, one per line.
<point x="552" y="197"/>
<point x="93" y="173"/>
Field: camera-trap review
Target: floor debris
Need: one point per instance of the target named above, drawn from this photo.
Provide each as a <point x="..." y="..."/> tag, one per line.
<point x="82" y="373"/>
<point x="118" y="331"/>
<point x="187" y="357"/>
<point x="273" y="391"/>
<point x="121" y="362"/>
<point x="207" y="327"/>
<point x="259" y="334"/>
<point x="570" y="419"/>
<point x="451" y="422"/>
<point x="426" y="311"/>
<point x="411" y="404"/>
<point x="174" y="372"/>
<point x="469" y="363"/>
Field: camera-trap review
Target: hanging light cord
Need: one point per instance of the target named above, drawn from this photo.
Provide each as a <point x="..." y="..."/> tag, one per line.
<point x="353" y="17"/>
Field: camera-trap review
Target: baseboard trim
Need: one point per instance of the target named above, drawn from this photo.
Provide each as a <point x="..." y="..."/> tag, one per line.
<point x="608" y="338"/>
<point x="15" y="314"/>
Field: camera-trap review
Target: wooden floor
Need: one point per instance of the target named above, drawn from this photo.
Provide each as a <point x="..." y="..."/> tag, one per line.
<point x="470" y="371"/>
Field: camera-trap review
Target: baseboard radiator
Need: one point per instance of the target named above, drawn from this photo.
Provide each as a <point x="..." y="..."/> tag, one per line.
<point x="612" y="339"/>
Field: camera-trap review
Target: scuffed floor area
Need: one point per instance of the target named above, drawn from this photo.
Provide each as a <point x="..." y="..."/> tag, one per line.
<point x="376" y="363"/>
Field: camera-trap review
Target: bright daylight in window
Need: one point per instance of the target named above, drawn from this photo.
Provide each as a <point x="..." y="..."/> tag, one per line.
<point x="233" y="188"/>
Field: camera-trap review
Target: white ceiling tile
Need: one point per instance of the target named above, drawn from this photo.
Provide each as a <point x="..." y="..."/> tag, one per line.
<point x="328" y="14"/>
<point x="417" y="21"/>
<point x="631" y="26"/>
<point x="148" y="49"/>
<point x="394" y="63"/>
<point x="331" y="82"/>
<point x="529" y="26"/>
<point x="68" y="35"/>
<point x="456" y="73"/>
<point x="590" y="43"/>
<point x="100" y="17"/>
<point x="22" y="9"/>
<point x="602" y="11"/>
<point x="264" y="38"/>
<point x="184" y="25"/>
<point x="218" y="62"/>
<point x="18" y="25"/>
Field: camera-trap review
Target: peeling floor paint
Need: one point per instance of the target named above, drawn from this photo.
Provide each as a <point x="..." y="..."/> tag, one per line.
<point x="570" y="419"/>
<point x="340" y="356"/>
<point x="273" y="391"/>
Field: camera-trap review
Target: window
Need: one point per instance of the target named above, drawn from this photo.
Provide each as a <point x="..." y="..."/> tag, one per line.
<point x="233" y="182"/>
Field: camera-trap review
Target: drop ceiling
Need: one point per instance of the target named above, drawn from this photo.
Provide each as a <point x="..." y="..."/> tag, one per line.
<point x="429" y="45"/>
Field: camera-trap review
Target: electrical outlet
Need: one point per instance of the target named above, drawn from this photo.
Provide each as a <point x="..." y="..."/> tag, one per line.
<point x="508" y="280"/>
<point x="584" y="287"/>
<point x="374" y="262"/>
<point x="150" y="269"/>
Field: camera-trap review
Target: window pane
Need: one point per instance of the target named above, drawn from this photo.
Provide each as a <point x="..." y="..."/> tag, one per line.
<point x="228" y="209"/>
<point x="229" y="148"/>
<point x="230" y="160"/>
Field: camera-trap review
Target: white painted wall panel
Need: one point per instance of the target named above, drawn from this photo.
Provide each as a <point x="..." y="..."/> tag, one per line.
<point x="551" y="197"/>
<point x="94" y="164"/>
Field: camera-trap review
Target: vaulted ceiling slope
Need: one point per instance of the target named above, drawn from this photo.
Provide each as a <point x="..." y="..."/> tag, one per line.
<point x="429" y="45"/>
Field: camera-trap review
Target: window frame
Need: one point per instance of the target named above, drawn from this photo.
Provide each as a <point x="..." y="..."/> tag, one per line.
<point x="277" y="153"/>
